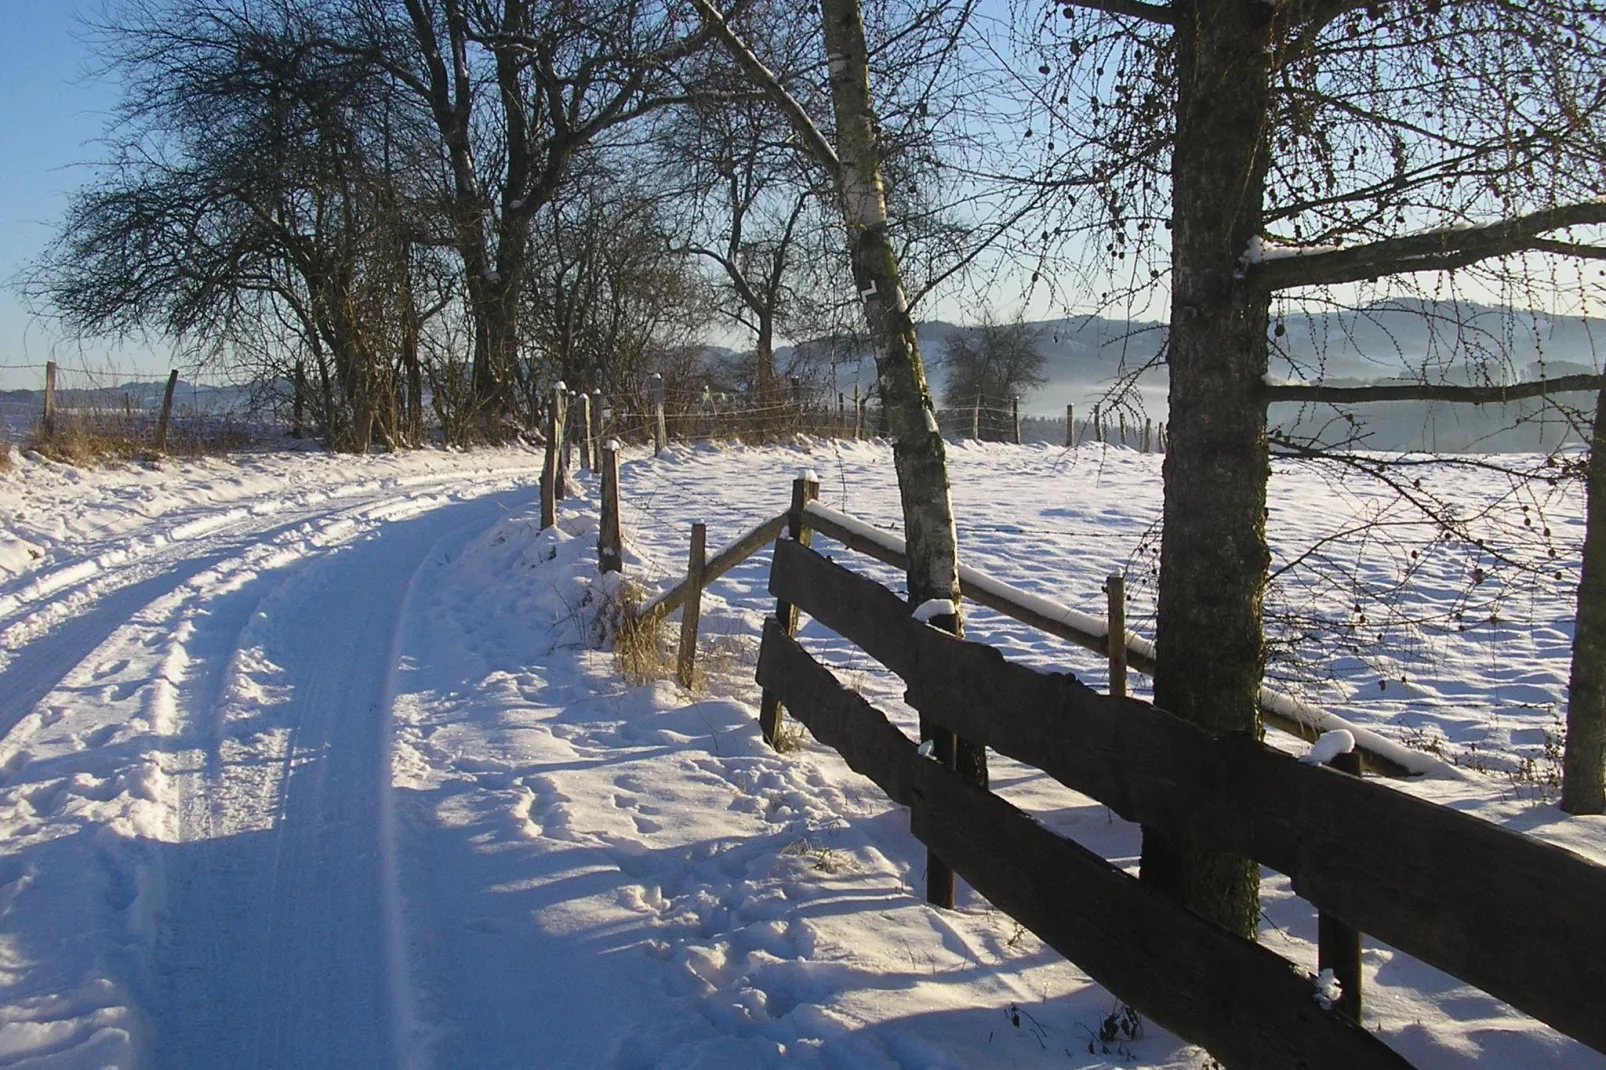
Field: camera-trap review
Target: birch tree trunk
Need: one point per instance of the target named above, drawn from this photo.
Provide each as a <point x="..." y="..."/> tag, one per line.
<point x="919" y="456"/>
<point x="1581" y="787"/>
<point x="918" y="452"/>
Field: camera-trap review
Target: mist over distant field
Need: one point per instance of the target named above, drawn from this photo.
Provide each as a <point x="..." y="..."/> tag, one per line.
<point x="1089" y="360"/>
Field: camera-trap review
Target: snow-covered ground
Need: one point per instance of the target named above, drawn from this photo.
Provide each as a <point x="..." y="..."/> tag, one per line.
<point x="316" y="761"/>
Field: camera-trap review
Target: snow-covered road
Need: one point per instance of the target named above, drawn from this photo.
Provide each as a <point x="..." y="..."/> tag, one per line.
<point x="204" y="701"/>
<point x="311" y="761"/>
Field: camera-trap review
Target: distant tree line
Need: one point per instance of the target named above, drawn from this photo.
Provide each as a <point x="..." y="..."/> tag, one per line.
<point x="393" y="205"/>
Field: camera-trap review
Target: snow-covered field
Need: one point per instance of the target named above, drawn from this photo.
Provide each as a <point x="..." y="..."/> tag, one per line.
<point x="316" y="761"/>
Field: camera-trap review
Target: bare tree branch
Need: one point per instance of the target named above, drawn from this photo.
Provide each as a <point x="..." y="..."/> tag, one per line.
<point x="813" y="140"/>
<point x="1474" y="395"/>
<point x="1160" y="13"/>
<point x="1434" y="250"/>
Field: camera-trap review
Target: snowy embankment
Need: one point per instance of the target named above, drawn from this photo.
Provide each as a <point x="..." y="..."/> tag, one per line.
<point x="314" y="761"/>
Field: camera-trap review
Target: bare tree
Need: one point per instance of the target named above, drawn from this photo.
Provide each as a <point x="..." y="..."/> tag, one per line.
<point x="987" y="367"/>
<point x="514" y="91"/>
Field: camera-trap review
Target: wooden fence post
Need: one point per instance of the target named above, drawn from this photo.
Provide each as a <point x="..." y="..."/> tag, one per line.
<point x="1164" y="445"/>
<point x="1115" y="588"/>
<point x="1017" y="419"/>
<point x="805" y="489"/>
<point x="1338" y="946"/>
<point x="656" y="396"/>
<point x="601" y="418"/>
<point x="587" y="434"/>
<point x="1122" y="417"/>
<point x="550" y="474"/>
<point x="610" y="544"/>
<point x="975" y="419"/>
<point x="1070" y="425"/>
<point x="560" y="440"/>
<point x="166" y="414"/>
<point x="687" y="662"/>
<point x="49" y="417"/>
<point x="298" y="404"/>
<point x="1098" y="424"/>
<point x="1148" y="433"/>
<point x="858" y="414"/>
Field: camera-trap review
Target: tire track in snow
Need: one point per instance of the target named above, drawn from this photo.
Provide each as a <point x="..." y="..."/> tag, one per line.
<point x="278" y="953"/>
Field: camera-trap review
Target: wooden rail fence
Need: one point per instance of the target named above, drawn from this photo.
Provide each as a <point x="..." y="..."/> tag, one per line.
<point x="1514" y="916"/>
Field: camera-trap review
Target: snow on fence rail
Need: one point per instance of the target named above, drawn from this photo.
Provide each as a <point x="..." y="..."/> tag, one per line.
<point x="1512" y="915"/>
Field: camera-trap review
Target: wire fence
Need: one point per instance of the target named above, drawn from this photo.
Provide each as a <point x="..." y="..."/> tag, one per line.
<point x="76" y="412"/>
<point x="109" y="402"/>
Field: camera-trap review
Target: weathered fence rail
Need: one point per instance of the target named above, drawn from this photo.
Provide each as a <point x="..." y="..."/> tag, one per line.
<point x="1514" y="916"/>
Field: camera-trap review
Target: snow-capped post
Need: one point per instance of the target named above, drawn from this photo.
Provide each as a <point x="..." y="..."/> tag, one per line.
<point x="686" y="663"/>
<point x="975" y="418"/>
<point x="558" y="441"/>
<point x="166" y="415"/>
<point x="571" y="416"/>
<point x="587" y="432"/>
<point x="610" y="544"/>
<point x="1016" y="417"/>
<point x="805" y="489"/>
<point x="48" y="419"/>
<point x="655" y="392"/>
<point x="1338" y="946"/>
<point x="1070" y="426"/>
<point x="1115" y="591"/>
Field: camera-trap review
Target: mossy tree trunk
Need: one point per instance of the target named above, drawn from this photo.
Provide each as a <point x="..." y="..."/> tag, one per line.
<point x="1213" y="551"/>
<point x="1581" y="788"/>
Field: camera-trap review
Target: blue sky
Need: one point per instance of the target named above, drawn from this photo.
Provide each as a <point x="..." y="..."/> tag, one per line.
<point x="50" y="116"/>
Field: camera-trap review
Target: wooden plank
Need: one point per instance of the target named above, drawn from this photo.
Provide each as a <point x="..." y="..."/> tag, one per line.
<point x="1338" y="946"/>
<point x="49" y="419"/>
<point x="728" y="558"/>
<point x="685" y="665"/>
<point x="166" y="416"/>
<point x="1115" y="594"/>
<point x="610" y="541"/>
<point x="1515" y="916"/>
<point x="804" y="490"/>
<point x="1242" y="1002"/>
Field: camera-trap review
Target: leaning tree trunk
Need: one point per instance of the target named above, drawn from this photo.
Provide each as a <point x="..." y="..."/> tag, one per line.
<point x="1582" y="791"/>
<point x="1213" y="548"/>
<point x="918" y="453"/>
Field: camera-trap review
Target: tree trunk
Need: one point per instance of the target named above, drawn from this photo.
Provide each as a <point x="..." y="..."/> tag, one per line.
<point x="918" y="453"/>
<point x="1213" y="550"/>
<point x="1582" y="791"/>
